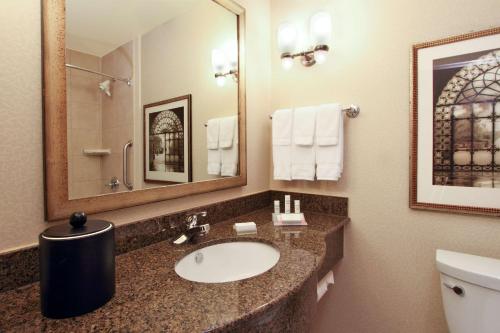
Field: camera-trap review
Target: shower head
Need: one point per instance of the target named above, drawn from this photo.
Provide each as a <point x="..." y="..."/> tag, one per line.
<point x="105" y="87"/>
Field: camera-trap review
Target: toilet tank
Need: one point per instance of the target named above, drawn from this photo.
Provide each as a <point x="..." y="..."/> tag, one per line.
<point x="470" y="287"/>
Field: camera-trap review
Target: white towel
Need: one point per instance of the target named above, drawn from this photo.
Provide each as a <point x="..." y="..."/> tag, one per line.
<point x="213" y="166"/>
<point x="303" y="162"/>
<point x="303" y="150"/>
<point x="303" y="125"/>
<point x="330" y="159"/>
<point x="214" y="161"/>
<point x="282" y="144"/>
<point x="327" y="124"/>
<point x="229" y="156"/>
<point x="282" y="162"/>
<point x="282" y="127"/>
<point x="213" y="133"/>
<point x="226" y="131"/>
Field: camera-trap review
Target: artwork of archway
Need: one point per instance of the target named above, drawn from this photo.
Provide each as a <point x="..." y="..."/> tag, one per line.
<point x="466" y="150"/>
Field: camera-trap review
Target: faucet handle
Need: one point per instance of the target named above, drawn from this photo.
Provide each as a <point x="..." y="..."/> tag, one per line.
<point x="192" y="219"/>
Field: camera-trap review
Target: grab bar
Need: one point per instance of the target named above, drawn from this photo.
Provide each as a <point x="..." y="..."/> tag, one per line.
<point x="125" y="163"/>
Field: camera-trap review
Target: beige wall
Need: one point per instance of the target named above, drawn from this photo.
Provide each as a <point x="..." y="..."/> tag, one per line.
<point x="387" y="281"/>
<point x="21" y="161"/>
<point x="176" y="60"/>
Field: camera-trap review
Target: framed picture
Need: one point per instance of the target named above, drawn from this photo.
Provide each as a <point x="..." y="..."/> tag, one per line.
<point x="167" y="141"/>
<point x="455" y="124"/>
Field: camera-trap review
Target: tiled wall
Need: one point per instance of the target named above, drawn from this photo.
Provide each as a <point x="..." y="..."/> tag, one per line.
<point x="96" y="120"/>
<point x="117" y="115"/>
<point x="84" y="125"/>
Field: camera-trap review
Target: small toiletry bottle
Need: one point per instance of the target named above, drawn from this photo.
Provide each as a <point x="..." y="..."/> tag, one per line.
<point x="296" y="204"/>
<point x="287" y="204"/>
<point x="276" y="206"/>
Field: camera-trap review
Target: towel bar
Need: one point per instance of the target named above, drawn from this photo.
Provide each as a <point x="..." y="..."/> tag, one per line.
<point x="351" y="111"/>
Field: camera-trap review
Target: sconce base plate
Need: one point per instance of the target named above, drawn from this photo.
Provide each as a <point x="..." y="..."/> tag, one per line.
<point x="308" y="60"/>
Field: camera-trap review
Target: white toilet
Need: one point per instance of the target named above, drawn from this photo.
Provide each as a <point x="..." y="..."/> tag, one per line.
<point x="470" y="286"/>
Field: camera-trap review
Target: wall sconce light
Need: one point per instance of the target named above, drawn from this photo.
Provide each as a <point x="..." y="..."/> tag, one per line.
<point x="320" y="27"/>
<point x="225" y="64"/>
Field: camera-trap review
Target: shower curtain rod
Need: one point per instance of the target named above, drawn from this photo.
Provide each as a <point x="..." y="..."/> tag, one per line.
<point x="127" y="81"/>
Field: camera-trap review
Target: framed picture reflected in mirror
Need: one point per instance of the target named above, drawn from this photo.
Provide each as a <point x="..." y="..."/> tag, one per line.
<point x="167" y="141"/>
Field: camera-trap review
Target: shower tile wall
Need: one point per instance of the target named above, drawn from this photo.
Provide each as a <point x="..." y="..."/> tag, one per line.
<point x="84" y="125"/>
<point x="117" y="114"/>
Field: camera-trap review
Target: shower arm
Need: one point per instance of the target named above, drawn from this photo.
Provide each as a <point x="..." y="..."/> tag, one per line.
<point x="126" y="80"/>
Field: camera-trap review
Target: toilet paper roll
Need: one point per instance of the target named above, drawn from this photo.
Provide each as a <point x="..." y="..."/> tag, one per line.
<point x="245" y="228"/>
<point x="322" y="286"/>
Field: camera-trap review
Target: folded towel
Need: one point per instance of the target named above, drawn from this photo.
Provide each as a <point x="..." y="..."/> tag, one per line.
<point x="227" y="131"/>
<point x="303" y="162"/>
<point x="213" y="133"/>
<point x="229" y="156"/>
<point x="282" y="140"/>
<point x="282" y="162"/>
<point x="330" y="159"/>
<point x="327" y="124"/>
<point x="282" y="127"/>
<point x="214" y="162"/>
<point x="303" y="125"/>
<point x="213" y="155"/>
<point x="303" y="150"/>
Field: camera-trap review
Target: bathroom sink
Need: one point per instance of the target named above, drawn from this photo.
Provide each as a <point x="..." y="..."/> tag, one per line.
<point x="227" y="262"/>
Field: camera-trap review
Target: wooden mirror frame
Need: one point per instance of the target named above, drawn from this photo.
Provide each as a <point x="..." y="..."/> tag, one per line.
<point x="57" y="202"/>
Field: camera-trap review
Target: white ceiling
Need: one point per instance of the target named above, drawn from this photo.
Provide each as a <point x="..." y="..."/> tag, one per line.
<point x="100" y="26"/>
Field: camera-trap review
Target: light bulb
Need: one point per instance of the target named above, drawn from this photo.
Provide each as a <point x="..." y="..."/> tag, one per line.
<point x="287" y="62"/>
<point x="320" y="56"/>
<point x="287" y="37"/>
<point x="320" y="28"/>
<point x="219" y="61"/>
<point x="232" y="54"/>
<point x="220" y="80"/>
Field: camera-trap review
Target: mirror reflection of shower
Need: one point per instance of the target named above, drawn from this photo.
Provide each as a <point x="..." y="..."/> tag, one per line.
<point x="100" y="120"/>
<point x="128" y="81"/>
<point x="105" y="87"/>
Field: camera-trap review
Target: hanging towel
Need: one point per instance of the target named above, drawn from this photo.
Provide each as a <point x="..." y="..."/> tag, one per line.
<point x="303" y="150"/>
<point x="213" y="155"/>
<point x="330" y="158"/>
<point x="213" y="133"/>
<point x="303" y="125"/>
<point x="227" y="131"/>
<point x="327" y="124"/>
<point x="282" y="144"/>
<point x="282" y="127"/>
<point x="303" y="162"/>
<point x="229" y="156"/>
<point x="214" y="161"/>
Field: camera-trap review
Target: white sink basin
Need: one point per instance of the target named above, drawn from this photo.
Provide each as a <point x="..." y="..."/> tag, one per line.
<point x="227" y="262"/>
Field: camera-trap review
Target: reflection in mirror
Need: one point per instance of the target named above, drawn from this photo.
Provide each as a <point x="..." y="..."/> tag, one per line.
<point x="152" y="94"/>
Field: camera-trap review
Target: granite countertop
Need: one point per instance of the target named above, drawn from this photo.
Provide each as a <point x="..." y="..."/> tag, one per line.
<point x="151" y="297"/>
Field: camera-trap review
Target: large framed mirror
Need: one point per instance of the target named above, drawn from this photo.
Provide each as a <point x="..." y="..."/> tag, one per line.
<point x="144" y="100"/>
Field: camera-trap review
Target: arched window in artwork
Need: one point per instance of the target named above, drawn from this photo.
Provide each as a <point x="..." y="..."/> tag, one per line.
<point x="467" y="126"/>
<point x="167" y="142"/>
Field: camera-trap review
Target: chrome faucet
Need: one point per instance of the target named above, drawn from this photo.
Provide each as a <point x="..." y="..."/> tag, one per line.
<point x="193" y="230"/>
